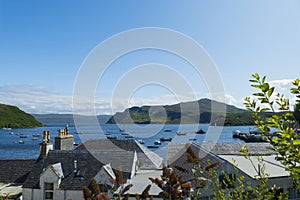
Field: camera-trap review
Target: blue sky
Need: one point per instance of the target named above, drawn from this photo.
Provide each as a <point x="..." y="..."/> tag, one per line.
<point x="44" y="43"/>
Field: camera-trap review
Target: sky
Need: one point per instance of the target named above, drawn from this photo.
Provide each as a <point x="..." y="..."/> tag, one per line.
<point x="44" y="46"/>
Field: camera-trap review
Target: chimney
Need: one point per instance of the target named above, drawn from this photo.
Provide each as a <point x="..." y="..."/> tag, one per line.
<point x="75" y="166"/>
<point x="64" y="141"/>
<point x="46" y="145"/>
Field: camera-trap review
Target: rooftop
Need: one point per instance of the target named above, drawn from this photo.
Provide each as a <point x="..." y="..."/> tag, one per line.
<point x="15" y="171"/>
<point x="272" y="167"/>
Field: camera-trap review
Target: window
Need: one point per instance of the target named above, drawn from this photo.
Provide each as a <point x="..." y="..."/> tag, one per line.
<point x="293" y="194"/>
<point x="227" y="181"/>
<point x="48" y="187"/>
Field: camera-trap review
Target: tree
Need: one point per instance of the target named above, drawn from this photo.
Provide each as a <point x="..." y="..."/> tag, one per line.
<point x="286" y="140"/>
<point x="297" y="112"/>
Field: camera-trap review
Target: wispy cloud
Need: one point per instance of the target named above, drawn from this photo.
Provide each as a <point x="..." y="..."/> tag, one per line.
<point x="35" y="99"/>
<point x="38" y="99"/>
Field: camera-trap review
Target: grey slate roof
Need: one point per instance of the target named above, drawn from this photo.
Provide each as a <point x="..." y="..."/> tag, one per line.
<point x="15" y="171"/>
<point x="87" y="164"/>
<point x="121" y="145"/>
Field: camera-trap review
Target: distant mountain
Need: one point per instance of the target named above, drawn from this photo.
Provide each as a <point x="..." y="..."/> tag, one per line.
<point x="13" y="117"/>
<point x="174" y="115"/>
<point x="63" y="119"/>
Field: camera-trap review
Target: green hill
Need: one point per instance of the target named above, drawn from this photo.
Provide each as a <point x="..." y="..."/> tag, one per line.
<point x="12" y="116"/>
<point x="172" y="114"/>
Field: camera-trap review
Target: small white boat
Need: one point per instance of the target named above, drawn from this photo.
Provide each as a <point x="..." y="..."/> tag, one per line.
<point x="157" y="142"/>
<point x="21" y="142"/>
<point x="111" y="137"/>
<point x="181" y="133"/>
<point x="141" y="141"/>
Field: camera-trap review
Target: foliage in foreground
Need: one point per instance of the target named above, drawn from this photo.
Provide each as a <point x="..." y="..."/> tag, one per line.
<point x="286" y="140"/>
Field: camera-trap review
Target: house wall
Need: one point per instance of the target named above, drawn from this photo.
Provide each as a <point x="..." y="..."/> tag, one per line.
<point x="37" y="194"/>
<point x="73" y="195"/>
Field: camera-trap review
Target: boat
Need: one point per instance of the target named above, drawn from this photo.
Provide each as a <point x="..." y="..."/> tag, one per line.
<point x="128" y="136"/>
<point x="125" y="133"/>
<point x="6" y="128"/>
<point x="256" y="138"/>
<point x="167" y="130"/>
<point x="157" y="142"/>
<point x="36" y="135"/>
<point x="111" y="137"/>
<point x="252" y="136"/>
<point x="141" y="141"/>
<point x="193" y="139"/>
<point x="163" y="139"/>
<point x="23" y="136"/>
<point x="35" y="138"/>
<point x="236" y="133"/>
<point x="108" y="133"/>
<point x="200" y="131"/>
<point x="153" y="146"/>
<point x="181" y="133"/>
<point x="21" y="142"/>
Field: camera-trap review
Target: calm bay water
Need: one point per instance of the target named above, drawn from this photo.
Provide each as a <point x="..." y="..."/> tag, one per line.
<point x="10" y="147"/>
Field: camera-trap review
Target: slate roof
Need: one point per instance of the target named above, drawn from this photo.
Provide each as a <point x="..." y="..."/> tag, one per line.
<point x="179" y="161"/>
<point x="147" y="159"/>
<point x="87" y="166"/>
<point x="15" y="171"/>
<point x="235" y="148"/>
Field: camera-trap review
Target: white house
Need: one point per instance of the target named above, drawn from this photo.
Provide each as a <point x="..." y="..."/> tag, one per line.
<point x="63" y="172"/>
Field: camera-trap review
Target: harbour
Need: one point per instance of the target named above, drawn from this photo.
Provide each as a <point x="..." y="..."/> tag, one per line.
<point x="24" y="142"/>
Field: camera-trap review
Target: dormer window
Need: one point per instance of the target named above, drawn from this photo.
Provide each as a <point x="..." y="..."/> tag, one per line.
<point x="48" y="187"/>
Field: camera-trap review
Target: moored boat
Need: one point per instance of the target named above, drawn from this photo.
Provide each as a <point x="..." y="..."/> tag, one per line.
<point x="200" y="131"/>
<point x="181" y="133"/>
<point x="157" y="142"/>
<point x="111" y="137"/>
<point x="141" y="141"/>
<point x="128" y="136"/>
<point x="163" y="139"/>
<point x="153" y="146"/>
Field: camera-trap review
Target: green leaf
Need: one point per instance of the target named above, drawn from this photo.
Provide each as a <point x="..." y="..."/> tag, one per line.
<point x="296" y="142"/>
<point x="256" y="76"/>
<point x="263" y="79"/>
<point x="270" y="92"/>
<point x="259" y="94"/>
<point x="265" y="87"/>
<point x="296" y="82"/>
<point x="256" y="86"/>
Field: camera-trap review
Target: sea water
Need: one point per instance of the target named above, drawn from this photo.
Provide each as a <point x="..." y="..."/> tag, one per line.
<point x="12" y="146"/>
